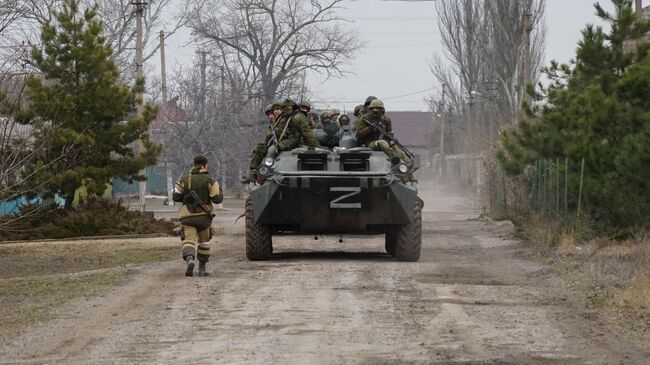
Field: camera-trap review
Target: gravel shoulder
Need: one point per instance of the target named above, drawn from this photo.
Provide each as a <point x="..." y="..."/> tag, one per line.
<point x="471" y="299"/>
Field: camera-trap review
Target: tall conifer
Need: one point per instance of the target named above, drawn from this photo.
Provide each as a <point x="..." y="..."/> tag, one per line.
<point x="597" y="110"/>
<point x="78" y="105"/>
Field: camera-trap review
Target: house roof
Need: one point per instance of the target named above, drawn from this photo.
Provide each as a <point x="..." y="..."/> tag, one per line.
<point x="412" y="128"/>
<point x="172" y="112"/>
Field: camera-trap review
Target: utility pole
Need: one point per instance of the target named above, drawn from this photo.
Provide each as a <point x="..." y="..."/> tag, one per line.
<point x="139" y="10"/>
<point x="224" y="108"/>
<point x="163" y="77"/>
<point x="223" y="88"/>
<point x="639" y="8"/>
<point x="441" y="109"/>
<point x="204" y="67"/>
<point x="528" y="29"/>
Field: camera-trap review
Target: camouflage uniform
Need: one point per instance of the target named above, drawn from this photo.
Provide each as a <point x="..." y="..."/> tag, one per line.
<point x="365" y="108"/>
<point x="196" y="224"/>
<point x="357" y="110"/>
<point x="260" y="149"/>
<point x="370" y="137"/>
<point x="302" y="130"/>
<point x="291" y="129"/>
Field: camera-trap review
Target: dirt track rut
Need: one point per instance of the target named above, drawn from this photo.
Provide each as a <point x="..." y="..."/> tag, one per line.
<point x="469" y="300"/>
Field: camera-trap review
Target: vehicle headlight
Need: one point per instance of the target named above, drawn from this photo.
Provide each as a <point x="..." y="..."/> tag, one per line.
<point x="268" y="161"/>
<point x="402" y="168"/>
<point x="264" y="170"/>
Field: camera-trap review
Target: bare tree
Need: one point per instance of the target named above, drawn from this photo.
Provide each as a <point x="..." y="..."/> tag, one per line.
<point x="20" y="153"/>
<point x="274" y="42"/>
<point x="119" y="26"/>
<point x="483" y="44"/>
<point x="207" y="114"/>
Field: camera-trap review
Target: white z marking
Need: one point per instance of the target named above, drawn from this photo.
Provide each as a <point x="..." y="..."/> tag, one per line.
<point x="352" y="192"/>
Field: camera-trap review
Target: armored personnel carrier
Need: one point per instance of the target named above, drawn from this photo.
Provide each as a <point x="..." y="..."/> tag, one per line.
<point x="334" y="190"/>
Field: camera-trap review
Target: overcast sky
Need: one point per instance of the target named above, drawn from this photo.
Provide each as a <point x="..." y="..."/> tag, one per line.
<point x="400" y="39"/>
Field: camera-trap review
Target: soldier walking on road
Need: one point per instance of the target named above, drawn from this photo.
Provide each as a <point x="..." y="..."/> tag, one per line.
<point x="197" y="191"/>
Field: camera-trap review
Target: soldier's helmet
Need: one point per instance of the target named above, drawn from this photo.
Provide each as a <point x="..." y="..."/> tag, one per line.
<point x="357" y="110"/>
<point x="334" y="112"/>
<point x="369" y="100"/>
<point x="268" y="109"/>
<point x="377" y="104"/>
<point x="325" y="116"/>
<point x="289" y="105"/>
<point x="305" y="104"/>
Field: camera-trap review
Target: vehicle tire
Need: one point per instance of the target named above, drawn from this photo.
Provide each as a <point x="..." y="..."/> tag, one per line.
<point x="409" y="237"/>
<point x="258" y="236"/>
<point x="391" y="242"/>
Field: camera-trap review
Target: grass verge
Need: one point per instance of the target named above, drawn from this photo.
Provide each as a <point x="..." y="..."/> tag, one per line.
<point x="37" y="279"/>
<point x="614" y="275"/>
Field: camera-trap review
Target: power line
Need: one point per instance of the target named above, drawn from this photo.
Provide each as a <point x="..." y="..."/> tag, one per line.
<point x="405" y="45"/>
<point x="394" y="19"/>
<point x="401" y="33"/>
<point x="387" y="98"/>
<point x="413" y="93"/>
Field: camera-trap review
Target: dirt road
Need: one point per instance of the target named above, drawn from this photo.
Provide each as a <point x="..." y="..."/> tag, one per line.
<point x="469" y="300"/>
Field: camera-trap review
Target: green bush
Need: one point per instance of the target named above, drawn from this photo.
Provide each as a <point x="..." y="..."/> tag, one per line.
<point x="597" y="109"/>
<point x="97" y="217"/>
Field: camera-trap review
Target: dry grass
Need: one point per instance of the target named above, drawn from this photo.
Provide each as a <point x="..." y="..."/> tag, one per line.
<point x="613" y="275"/>
<point x="36" y="279"/>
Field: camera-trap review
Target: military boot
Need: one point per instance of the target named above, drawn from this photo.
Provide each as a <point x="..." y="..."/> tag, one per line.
<point x="190" y="266"/>
<point x="202" y="270"/>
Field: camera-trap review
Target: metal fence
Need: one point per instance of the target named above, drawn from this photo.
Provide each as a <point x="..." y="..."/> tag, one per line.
<point x="549" y="187"/>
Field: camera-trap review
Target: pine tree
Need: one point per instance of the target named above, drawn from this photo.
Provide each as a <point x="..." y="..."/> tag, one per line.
<point x="596" y="110"/>
<point x="79" y="107"/>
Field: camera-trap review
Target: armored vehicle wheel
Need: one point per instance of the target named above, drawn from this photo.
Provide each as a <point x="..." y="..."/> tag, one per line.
<point x="258" y="237"/>
<point x="391" y="242"/>
<point x="409" y="237"/>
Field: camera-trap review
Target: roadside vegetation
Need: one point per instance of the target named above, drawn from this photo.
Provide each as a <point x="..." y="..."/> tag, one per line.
<point x="71" y="124"/>
<point x="37" y="279"/>
<point x="576" y="170"/>
<point x="96" y="217"/>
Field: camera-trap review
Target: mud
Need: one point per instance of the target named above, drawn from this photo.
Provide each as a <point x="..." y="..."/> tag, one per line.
<point x="471" y="299"/>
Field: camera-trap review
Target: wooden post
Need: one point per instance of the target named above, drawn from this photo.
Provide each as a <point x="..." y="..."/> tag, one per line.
<point x="582" y="175"/>
<point x="139" y="10"/>
<point x="527" y="67"/>
<point x="442" y="130"/>
<point x="566" y="186"/>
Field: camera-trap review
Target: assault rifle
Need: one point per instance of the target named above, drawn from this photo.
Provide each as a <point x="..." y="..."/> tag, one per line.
<point x="194" y="203"/>
<point x="377" y="126"/>
<point x="274" y="138"/>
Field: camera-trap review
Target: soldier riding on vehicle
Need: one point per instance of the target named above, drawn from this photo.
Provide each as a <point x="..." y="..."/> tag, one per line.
<point x="272" y="112"/>
<point x="291" y="130"/>
<point x="375" y="130"/>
